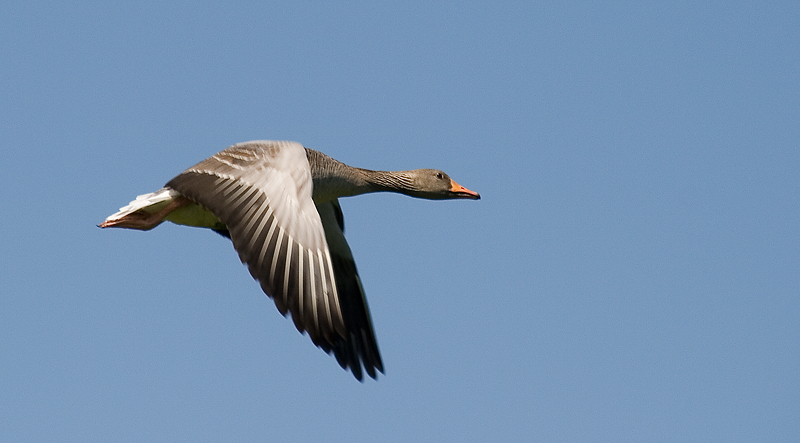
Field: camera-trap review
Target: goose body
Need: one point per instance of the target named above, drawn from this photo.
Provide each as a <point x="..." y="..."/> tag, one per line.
<point x="278" y="203"/>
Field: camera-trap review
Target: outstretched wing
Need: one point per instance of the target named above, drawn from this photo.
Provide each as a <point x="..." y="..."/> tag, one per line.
<point x="261" y="191"/>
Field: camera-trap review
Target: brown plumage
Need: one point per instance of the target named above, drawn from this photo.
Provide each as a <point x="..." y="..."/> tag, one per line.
<point x="277" y="202"/>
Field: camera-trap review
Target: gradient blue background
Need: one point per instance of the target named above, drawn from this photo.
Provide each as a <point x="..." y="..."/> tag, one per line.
<point x="631" y="273"/>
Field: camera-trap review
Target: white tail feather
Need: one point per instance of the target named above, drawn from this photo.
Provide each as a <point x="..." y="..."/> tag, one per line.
<point x="151" y="202"/>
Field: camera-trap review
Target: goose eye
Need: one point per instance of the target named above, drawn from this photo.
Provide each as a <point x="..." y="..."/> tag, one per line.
<point x="439" y="175"/>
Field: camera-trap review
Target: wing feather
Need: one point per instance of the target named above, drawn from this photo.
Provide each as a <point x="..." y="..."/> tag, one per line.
<point x="296" y="250"/>
<point x="360" y="342"/>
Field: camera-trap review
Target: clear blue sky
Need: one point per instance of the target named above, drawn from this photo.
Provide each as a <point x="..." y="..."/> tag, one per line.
<point x="632" y="272"/>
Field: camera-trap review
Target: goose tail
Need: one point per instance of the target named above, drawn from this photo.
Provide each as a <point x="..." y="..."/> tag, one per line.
<point x="146" y="212"/>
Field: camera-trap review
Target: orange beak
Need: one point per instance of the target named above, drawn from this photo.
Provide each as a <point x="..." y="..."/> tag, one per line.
<point x="462" y="192"/>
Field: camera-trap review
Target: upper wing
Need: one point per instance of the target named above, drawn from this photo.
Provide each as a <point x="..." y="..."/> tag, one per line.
<point x="261" y="191"/>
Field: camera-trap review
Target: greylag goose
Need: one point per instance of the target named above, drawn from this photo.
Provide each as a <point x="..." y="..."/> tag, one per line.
<point x="278" y="203"/>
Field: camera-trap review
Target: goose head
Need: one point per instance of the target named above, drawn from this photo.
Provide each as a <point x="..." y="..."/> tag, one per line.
<point x="434" y="184"/>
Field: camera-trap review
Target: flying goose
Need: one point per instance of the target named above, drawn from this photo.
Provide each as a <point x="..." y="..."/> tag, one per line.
<point x="278" y="203"/>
